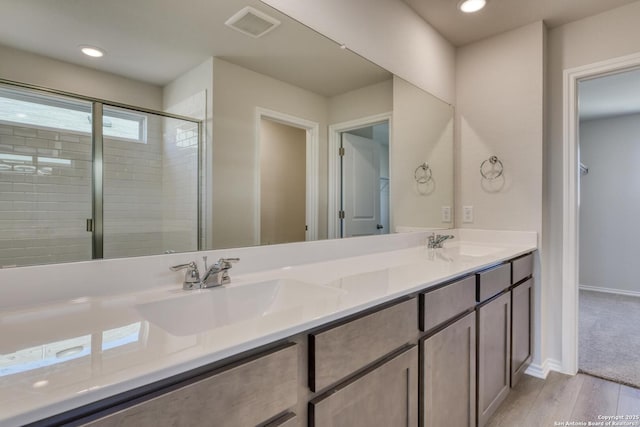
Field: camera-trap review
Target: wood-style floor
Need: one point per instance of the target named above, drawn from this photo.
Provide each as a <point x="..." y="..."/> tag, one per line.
<point x="561" y="399"/>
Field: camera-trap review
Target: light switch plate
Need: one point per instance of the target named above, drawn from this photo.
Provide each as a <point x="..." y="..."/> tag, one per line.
<point x="446" y="214"/>
<point x="467" y="214"/>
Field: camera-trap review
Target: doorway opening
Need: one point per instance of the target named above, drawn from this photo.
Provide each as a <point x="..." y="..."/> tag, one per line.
<point x="359" y="177"/>
<point x="609" y="205"/>
<point x="286" y="178"/>
<point x="571" y="274"/>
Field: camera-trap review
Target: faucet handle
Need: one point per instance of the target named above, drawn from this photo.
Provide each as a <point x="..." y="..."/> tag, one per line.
<point x="226" y="262"/>
<point x="179" y="267"/>
<point x="191" y="276"/>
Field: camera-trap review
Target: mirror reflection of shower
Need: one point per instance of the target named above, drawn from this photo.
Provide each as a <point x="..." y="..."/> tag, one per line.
<point x="81" y="179"/>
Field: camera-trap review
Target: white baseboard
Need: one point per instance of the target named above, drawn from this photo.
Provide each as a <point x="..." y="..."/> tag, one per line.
<point x="543" y="369"/>
<point x="610" y="291"/>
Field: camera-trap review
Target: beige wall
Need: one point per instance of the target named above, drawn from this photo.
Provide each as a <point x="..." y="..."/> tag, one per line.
<point x="282" y="183"/>
<point x="25" y="67"/>
<point x="499" y="111"/>
<point x="388" y="33"/>
<point x="422" y="131"/>
<point x="608" y="35"/>
<point x="236" y="94"/>
<point x="363" y="102"/>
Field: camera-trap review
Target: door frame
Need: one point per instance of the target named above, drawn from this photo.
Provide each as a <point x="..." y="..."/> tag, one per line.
<point x="571" y="194"/>
<point x="334" y="184"/>
<point x="312" y="157"/>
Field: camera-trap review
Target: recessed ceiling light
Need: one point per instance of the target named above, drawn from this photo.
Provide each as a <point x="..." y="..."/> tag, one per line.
<point x="470" y="6"/>
<point x="92" y="51"/>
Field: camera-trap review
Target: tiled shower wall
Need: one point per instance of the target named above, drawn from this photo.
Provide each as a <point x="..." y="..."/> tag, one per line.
<point x="44" y="207"/>
<point x="180" y="175"/>
<point x="133" y="194"/>
<point x="150" y="195"/>
<point x="180" y="186"/>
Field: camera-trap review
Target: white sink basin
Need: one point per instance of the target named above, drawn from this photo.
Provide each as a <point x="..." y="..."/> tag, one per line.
<point x="197" y="311"/>
<point x="472" y="250"/>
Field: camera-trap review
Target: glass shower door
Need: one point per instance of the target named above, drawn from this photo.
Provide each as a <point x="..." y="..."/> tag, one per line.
<point x="45" y="178"/>
<point x="150" y="183"/>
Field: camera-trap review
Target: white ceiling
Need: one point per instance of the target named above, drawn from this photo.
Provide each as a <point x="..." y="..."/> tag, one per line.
<point x="602" y="97"/>
<point x="611" y="95"/>
<point x="503" y="15"/>
<point x="157" y="40"/>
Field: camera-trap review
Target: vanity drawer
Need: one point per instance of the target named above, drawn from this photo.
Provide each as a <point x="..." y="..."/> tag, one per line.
<point x="288" y="420"/>
<point x="447" y="302"/>
<point x="493" y="281"/>
<point x="246" y="393"/>
<point x="521" y="268"/>
<point x="339" y="351"/>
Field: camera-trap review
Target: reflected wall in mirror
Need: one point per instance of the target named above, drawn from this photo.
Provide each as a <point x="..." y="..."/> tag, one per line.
<point x="277" y="115"/>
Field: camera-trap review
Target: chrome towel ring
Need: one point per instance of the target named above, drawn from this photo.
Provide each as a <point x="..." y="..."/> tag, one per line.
<point x="491" y="168"/>
<point x="423" y="173"/>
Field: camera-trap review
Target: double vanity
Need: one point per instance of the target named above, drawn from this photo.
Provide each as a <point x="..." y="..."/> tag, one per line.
<point x="393" y="336"/>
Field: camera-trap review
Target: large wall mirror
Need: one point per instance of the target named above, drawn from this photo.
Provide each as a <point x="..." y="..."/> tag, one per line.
<point x="205" y="125"/>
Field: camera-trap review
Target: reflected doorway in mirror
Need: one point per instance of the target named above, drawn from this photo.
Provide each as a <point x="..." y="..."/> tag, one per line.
<point x="359" y="205"/>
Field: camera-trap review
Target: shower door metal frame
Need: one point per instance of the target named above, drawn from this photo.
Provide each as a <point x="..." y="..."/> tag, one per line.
<point x="97" y="158"/>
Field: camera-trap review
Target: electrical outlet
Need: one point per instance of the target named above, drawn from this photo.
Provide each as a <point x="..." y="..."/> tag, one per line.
<point x="467" y="214"/>
<point x="446" y="214"/>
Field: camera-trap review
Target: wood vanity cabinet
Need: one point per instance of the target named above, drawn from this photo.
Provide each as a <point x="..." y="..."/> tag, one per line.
<point x="521" y="316"/>
<point x="448" y="355"/>
<point x="449" y="375"/>
<point x="384" y="395"/>
<point x="445" y="358"/>
<point x="366" y="369"/>
<point x="338" y="351"/>
<point x="288" y="420"/>
<point x="521" y="299"/>
<point x="247" y="393"/>
<point x="494" y="344"/>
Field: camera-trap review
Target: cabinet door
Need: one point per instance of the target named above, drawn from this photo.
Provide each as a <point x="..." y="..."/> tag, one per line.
<point x="383" y="396"/>
<point x="449" y="376"/>
<point x="340" y="351"/>
<point x="246" y="394"/>
<point x="521" y="299"/>
<point x="494" y="355"/>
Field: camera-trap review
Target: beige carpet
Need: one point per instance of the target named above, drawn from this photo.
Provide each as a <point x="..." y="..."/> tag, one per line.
<point x="609" y="329"/>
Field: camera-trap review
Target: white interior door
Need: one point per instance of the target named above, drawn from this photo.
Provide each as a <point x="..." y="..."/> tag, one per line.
<point x="360" y="186"/>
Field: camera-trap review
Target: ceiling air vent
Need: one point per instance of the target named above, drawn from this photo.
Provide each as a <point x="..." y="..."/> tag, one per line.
<point x="252" y="22"/>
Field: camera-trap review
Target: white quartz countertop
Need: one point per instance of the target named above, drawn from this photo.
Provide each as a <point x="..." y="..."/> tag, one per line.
<point x="61" y="355"/>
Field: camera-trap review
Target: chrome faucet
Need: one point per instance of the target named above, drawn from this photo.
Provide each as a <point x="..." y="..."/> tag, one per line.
<point x="435" y="240"/>
<point x="216" y="275"/>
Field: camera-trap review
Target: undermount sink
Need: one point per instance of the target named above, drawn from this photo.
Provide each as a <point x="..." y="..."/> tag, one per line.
<point x="472" y="250"/>
<point x="197" y="311"/>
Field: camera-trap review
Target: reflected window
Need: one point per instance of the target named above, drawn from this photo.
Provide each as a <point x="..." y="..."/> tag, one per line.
<point x="63" y="351"/>
<point x="187" y="135"/>
<point x="21" y="164"/>
<point x="44" y="355"/>
<point x="121" y="336"/>
<point x="50" y="112"/>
